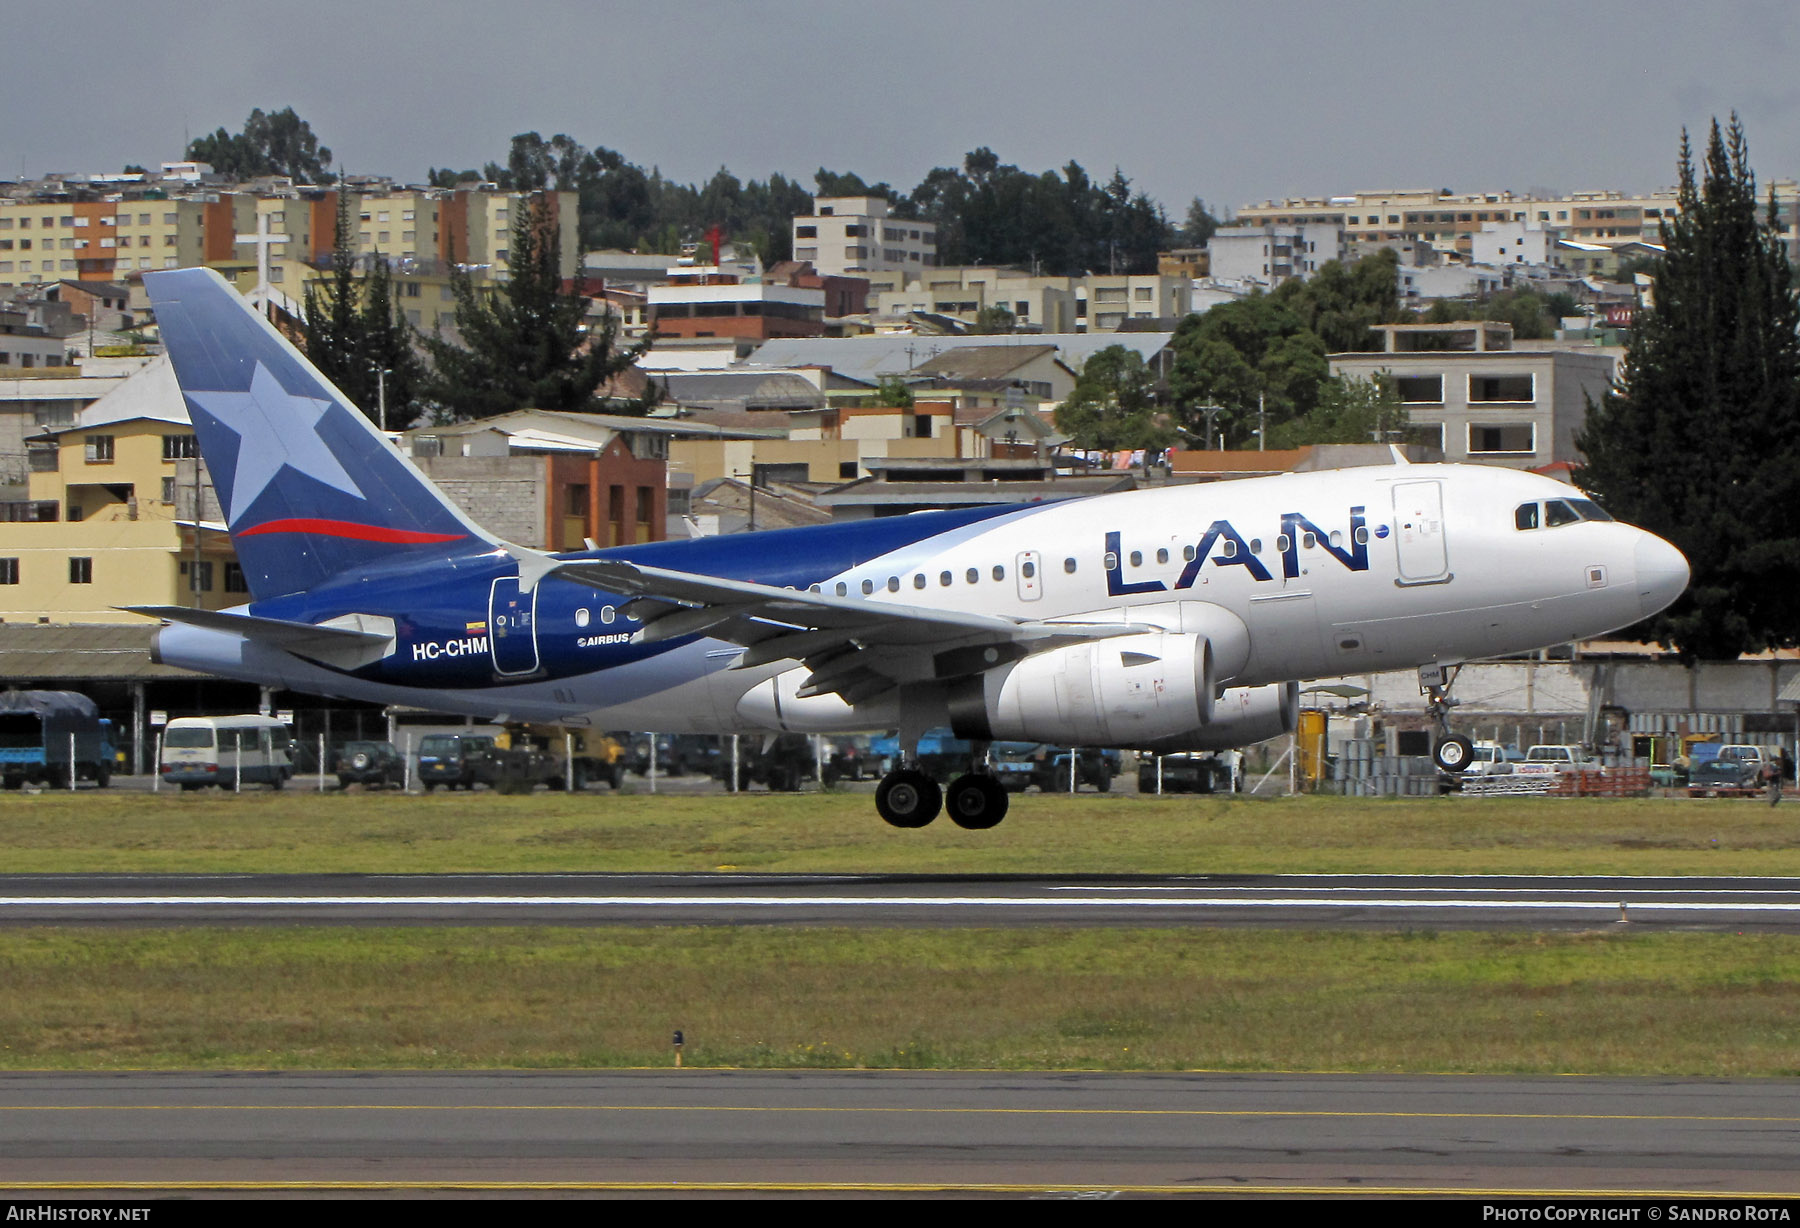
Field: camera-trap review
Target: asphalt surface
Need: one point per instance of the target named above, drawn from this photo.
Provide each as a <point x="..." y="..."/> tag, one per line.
<point x="1336" y="901"/>
<point x="697" y="1132"/>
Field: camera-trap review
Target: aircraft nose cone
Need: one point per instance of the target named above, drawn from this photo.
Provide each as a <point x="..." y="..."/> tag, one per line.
<point x="1662" y="573"/>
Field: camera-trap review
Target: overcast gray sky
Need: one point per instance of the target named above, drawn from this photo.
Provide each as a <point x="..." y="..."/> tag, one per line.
<point x="1235" y="103"/>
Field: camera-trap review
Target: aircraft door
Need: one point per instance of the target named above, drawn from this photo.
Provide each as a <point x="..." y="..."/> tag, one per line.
<point x="512" y="627"/>
<point x="1030" y="569"/>
<point x="1419" y="533"/>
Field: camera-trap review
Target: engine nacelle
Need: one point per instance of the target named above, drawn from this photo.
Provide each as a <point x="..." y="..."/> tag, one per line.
<point x="1125" y="691"/>
<point x="1243" y="715"/>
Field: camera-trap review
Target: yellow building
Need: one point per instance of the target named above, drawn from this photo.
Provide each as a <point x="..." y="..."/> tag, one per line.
<point x="110" y="516"/>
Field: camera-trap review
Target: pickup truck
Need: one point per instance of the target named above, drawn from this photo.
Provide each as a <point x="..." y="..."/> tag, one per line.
<point x="1549" y="760"/>
<point x="1490" y="759"/>
<point x="1734" y="770"/>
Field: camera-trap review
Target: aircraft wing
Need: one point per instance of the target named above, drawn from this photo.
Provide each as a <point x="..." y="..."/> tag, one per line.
<point x="855" y="648"/>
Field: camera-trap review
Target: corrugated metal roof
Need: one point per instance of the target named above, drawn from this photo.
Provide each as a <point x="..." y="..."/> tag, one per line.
<point x="867" y="359"/>
<point x="109" y="651"/>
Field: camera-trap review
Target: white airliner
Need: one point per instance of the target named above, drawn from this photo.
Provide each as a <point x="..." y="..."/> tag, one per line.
<point x="1178" y="618"/>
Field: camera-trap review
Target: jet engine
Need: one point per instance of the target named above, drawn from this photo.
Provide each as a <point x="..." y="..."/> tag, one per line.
<point x="1126" y="691"/>
<point x="1241" y="716"/>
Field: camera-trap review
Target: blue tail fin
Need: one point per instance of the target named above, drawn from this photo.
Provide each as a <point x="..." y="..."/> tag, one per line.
<point x="310" y="488"/>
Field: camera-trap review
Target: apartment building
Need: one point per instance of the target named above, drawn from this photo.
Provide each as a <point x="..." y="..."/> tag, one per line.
<point x="1470" y="394"/>
<point x="1097" y="302"/>
<point x="1272" y="253"/>
<point x="109" y="518"/>
<point x="852" y="236"/>
<point x="116" y="238"/>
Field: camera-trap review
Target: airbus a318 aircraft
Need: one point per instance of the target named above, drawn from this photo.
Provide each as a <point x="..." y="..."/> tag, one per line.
<point x="1178" y="618"/>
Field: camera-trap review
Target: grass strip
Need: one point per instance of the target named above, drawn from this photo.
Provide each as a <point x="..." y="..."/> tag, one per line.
<point x="59" y="832"/>
<point x="1596" y="1003"/>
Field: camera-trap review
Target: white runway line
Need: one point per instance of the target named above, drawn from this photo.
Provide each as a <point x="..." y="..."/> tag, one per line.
<point x="1610" y="904"/>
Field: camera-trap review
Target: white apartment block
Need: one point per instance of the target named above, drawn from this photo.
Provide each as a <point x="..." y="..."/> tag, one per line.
<point x="1272" y="253"/>
<point x="1097" y="302"/>
<point x="853" y="236"/>
<point x="1502" y="243"/>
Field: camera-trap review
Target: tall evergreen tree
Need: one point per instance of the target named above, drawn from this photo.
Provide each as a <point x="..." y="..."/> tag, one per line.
<point x="1699" y="441"/>
<point x="522" y="343"/>
<point x="355" y="333"/>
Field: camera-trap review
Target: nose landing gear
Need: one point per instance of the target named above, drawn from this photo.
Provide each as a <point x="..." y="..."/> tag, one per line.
<point x="1452" y="752"/>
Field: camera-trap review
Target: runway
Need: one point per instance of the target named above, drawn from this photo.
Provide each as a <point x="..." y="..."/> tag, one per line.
<point x="1336" y="901"/>
<point x="694" y="1132"/>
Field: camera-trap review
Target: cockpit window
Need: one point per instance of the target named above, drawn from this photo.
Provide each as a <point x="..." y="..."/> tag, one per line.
<point x="1557" y="512"/>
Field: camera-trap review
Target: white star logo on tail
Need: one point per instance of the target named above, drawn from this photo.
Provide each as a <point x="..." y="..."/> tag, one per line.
<point x="274" y="428"/>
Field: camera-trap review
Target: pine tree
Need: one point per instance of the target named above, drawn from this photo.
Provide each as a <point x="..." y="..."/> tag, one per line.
<point x="1699" y="441"/>
<point x="354" y="332"/>
<point x="523" y="344"/>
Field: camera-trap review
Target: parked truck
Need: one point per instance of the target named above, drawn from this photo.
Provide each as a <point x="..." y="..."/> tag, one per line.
<point x="49" y="737"/>
<point x="520" y="758"/>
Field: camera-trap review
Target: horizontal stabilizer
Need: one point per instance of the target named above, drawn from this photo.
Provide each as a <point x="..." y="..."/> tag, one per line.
<point x="347" y="642"/>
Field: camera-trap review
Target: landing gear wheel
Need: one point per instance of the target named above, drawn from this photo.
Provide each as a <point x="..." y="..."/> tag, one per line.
<point x="975" y="802"/>
<point x="1454" y="754"/>
<point x="908" y="798"/>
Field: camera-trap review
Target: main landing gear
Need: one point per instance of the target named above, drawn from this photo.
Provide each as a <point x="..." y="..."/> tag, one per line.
<point x="907" y="797"/>
<point x="1452" y="752"/>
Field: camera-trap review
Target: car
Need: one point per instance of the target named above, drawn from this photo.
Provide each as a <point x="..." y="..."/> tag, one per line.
<point x="1735" y="769"/>
<point x="452" y="759"/>
<point x="1186" y="773"/>
<point x="369" y="763"/>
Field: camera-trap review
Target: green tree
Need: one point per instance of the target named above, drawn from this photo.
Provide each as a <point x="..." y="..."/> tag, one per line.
<point x="1348" y="411"/>
<point x="523" y="344"/>
<point x="1699" y="441"/>
<point x="277" y="144"/>
<point x="1200" y="224"/>
<point x="1252" y="358"/>
<point x="994" y="318"/>
<point x="355" y="333"/>
<point x="1113" y="405"/>
<point x="893" y="393"/>
<point x="1342" y="302"/>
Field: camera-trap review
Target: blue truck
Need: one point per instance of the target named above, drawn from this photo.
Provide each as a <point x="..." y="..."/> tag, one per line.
<point x="52" y="738"/>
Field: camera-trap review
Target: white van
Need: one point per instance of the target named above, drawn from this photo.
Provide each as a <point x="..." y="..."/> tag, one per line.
<point x="227" y="751"/>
